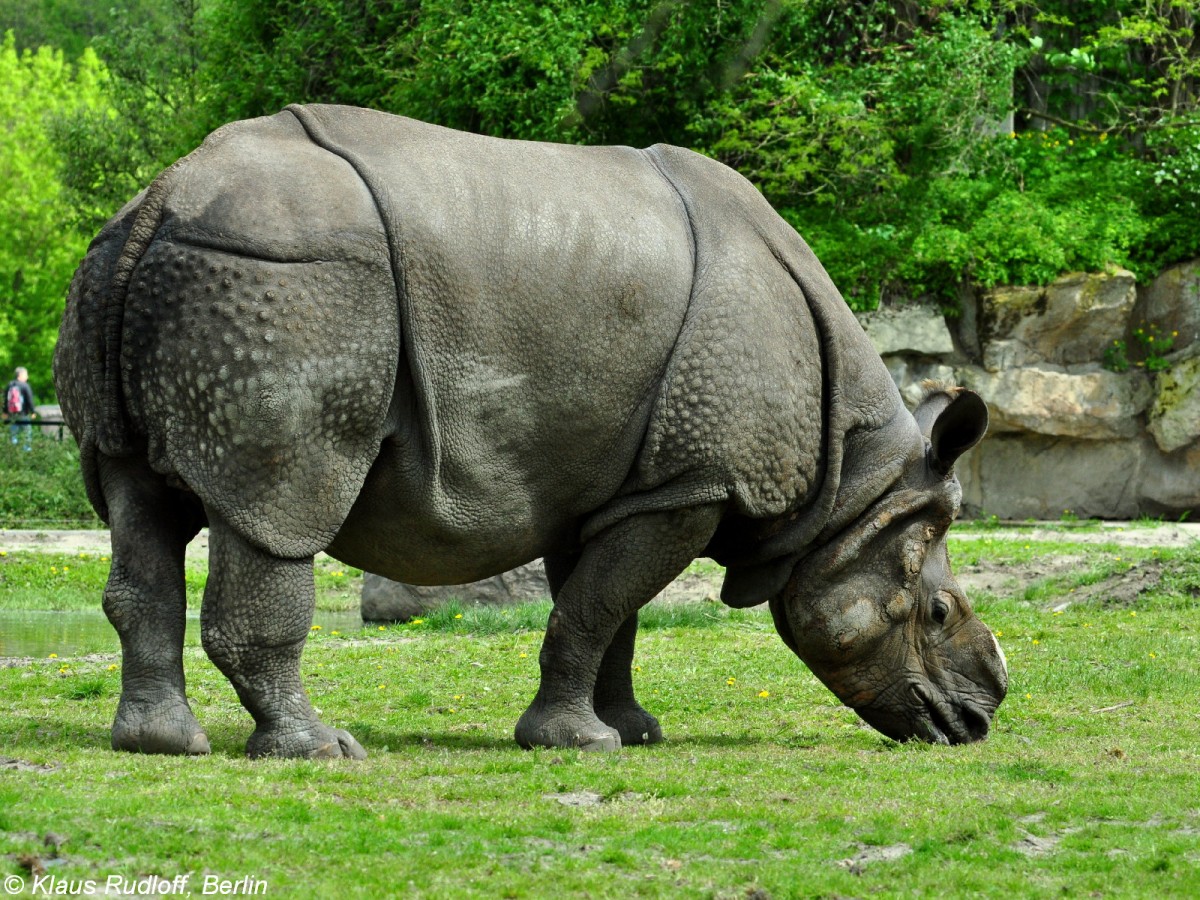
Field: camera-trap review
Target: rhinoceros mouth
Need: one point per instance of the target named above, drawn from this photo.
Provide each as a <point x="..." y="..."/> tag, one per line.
<point x="947" y="723"/>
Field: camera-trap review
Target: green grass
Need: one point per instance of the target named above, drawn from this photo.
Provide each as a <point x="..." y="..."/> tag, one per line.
<point x="30" y="579"/>
<point x="1087" y="786"/>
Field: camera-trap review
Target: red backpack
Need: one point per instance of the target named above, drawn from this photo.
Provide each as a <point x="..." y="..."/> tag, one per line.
<point x="15" y="401"/>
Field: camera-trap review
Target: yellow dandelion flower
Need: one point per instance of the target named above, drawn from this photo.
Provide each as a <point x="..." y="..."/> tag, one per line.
<point x="315" y="628"/>
<point x="731" y="681"/>
<point x="524" y="656"/>
<point x="3" y="553"/>
<point x="1029" y="696"/>
<point x="383" y="628"/>
<point x="458" y="616"/>
<point x="999" y="634"/>
<point x="417" y="622"/>
<point x="52" y="656"/>
<point x="1154" y="656"/>
<point x="458" y="696"/>
<point x="113" y="667"/>
<point x="104" y="559"/>
<point x="54" y="569"/>
<point x="66" y="569"/>
<point x="335" y="632"/>
<point x="764" y="694"/>
<point x="1036" y="642"/>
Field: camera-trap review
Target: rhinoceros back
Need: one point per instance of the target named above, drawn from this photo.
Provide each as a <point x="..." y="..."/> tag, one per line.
<point x="542" y="288"/>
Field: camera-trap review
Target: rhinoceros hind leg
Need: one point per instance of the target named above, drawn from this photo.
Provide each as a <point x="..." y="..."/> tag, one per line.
<point x="256" y="616"/>
<point x="592" y="626"/>
<point x="145" y="601"/>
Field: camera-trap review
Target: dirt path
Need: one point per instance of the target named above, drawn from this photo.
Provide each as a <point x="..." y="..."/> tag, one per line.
<point x="1123" y="533"/>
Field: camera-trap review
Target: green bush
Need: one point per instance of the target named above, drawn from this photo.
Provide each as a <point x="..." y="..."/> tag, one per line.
<point x="43" y="488"/>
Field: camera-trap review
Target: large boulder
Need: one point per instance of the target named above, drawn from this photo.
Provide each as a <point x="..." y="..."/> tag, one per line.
<point x="1022" y="476"/>
<point x="912" y="374"/>
<point x="1091" y="404"/>
<point x="1171" y="303"/>
<point x="1175" y="416"/>
<point x="384" y="600"/>
<point x="915" y="329"/>
<point x="1069" y="322"/>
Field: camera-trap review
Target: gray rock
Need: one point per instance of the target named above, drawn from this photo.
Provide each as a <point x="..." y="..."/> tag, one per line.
<point x="1171" y="302"/>
<point x="1068" y="322"/>
<point x="1092" y="404"/>
<point x="1169" y="486"/>
<point x="1035" y="476"/>
<point x="384" y="600"/>
<point x="1022" y="476"/>
<point x="907" y="329"/>
<point x="911" y="373"/>
<point x="53" y="413"/>
<point x="1175" y="416"/>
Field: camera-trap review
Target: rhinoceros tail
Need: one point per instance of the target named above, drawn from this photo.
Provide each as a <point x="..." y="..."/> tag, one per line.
<point x="113" y="436"/>
<point x="87" y="362"/>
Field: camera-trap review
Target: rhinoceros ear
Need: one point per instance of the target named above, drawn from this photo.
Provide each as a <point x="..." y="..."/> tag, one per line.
<point x="955" y="420"/>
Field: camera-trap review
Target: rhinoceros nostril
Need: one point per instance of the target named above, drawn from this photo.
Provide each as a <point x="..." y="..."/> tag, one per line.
<point x="977" y="722"/>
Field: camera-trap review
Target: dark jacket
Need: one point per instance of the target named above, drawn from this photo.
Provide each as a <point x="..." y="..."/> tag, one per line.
<point x="27" y="401"/>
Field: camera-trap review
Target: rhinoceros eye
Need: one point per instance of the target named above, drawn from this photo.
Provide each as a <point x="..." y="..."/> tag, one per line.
<point x="940" y="610"/>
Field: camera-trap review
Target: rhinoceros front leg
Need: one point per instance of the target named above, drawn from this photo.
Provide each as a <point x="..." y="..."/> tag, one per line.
<point x="146" y="603"/>
<point x="589" y="639"/>
<point x="256" y="616"/>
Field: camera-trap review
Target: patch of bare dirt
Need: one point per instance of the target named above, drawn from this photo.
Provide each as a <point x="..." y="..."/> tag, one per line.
<point x="1124" y="588"/>
<point x="868" y="854"/>
<point x="1007" y="579"/>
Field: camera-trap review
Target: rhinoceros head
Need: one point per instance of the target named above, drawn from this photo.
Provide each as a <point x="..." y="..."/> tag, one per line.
<point x="876" y="613"/>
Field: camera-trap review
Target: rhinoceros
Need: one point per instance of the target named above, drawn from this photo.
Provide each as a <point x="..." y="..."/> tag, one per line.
<point x="436" y="356"/>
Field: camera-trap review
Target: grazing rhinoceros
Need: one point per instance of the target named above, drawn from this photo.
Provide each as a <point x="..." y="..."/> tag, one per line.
<point x="437" y="356"/>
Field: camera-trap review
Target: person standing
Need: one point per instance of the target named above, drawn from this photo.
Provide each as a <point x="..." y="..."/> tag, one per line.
<point x="19" y="407"/>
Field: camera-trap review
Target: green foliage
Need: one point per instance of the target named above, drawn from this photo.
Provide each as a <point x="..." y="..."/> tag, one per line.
<point x="1153" y="346"/>
<point x="150" y="116"/>
<point x="43" y="488"/>
<point x="38" y="249"/>
<point x="918" y="147"/>
<point x="1116" y="357"/>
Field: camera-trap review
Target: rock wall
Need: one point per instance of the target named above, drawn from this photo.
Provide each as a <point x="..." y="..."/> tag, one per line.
<point x="1093" y="383"/>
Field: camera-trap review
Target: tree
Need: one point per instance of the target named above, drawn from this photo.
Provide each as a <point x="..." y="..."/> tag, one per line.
<point x="38" y="247"/>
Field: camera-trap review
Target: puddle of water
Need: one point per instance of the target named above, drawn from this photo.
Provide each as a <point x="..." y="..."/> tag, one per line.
<point x="39" y="633"/>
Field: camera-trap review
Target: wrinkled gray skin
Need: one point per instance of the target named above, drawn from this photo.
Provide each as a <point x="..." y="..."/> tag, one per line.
<point x="438" y="356"/>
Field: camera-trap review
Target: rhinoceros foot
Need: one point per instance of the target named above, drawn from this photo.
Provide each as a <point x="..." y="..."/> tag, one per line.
<point x="633" y="724"/>
<point x="569" y="728"/>
<point x="166" y="727"/>
<point x="311" y="741"/>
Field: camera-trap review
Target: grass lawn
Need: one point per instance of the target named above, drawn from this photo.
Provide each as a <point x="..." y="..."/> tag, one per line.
<point x="765" y="787"/>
